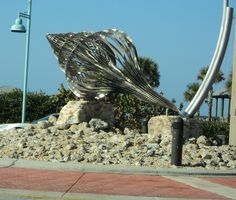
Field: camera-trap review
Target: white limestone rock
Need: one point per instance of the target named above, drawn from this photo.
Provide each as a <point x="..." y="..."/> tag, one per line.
<point x="162" y="125"/>
<point x="75" y="112"/>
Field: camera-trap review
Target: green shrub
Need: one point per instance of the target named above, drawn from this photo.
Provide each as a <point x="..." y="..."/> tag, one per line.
<point x="129" y="111"/>
<point x="38" y="104"/>
<point x="214" y="128"/>
<point x="10" y="106"/>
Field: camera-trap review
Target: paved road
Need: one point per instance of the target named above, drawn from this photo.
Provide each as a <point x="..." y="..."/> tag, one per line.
<point x="28" y="180"/>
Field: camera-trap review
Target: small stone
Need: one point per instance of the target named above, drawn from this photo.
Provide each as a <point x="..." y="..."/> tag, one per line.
<point x="52" y="119"/>
<point x="115" y="139"/>
<point x="198" y="164"/>
<point x="66" y="158"/>
<point x="44" y="124"/>
<point x="153" y="146"/>
<point x="227" y="157"/>
<point x="232" y="164"/>
<point x="29" y="127"/>
<point x="202" y="140"/>
<point x="98" y="124"/>
<point x="192" y="140"/>
<point x="166" y="139"/>
<point x="14" y="154"/>
<point x="71" y="146"/>
<point x="150" y="152"/>
<point x="63" y="126"/>
<point x="22" y="145"/>
<point x="80" y="158"/>
<point x="29" y="133"/>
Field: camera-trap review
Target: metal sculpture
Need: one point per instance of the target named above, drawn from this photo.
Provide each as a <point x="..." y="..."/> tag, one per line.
<point x="100" y="62"/>
<point x="216" y="61"/>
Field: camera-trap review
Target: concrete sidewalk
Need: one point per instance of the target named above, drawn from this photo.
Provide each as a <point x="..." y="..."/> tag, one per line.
<point x="24" y="179"/>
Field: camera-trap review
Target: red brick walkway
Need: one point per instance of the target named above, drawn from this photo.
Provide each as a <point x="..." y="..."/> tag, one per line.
<point x="105" y="183"/>
<point x="228" y="182"/>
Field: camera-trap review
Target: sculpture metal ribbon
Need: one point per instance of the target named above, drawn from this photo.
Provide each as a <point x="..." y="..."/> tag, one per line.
<point x="98" y="63"/>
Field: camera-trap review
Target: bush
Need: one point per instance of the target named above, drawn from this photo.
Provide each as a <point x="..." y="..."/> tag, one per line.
<point x="38" y="104"/>
<point x="214" y="128"/>
<point x="10" y="106"/>
<point x="130" y="112"/>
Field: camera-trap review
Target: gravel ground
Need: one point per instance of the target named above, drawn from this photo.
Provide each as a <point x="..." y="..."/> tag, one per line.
<point x="95" y="142"/>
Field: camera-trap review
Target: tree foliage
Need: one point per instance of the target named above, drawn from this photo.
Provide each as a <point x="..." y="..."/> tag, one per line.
<point x="191" y="91"/>
<point x="202" y="74"/>
<point x="151" y="71"/>
<point x="129" y="111"/>
<point x="193" y="88"/>
<point x="219" y="77"/>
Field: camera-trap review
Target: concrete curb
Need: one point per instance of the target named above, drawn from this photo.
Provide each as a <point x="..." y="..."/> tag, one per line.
<point x="15" y="194"/>
<point x="35" y="164"/>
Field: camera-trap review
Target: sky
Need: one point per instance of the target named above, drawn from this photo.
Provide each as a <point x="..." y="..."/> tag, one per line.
<point x="179" y="35"/>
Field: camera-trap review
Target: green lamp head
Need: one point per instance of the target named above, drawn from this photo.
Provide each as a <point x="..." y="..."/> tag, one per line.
<point x="18" y="26"/>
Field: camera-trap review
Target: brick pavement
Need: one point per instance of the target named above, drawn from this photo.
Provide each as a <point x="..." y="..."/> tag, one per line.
<point x="67" y="182"/>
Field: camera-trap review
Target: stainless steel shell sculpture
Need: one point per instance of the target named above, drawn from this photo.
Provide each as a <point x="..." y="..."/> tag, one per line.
<point x="100" y="62"/>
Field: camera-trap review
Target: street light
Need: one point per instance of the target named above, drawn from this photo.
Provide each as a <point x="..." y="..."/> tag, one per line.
<point x="20" y="28"/>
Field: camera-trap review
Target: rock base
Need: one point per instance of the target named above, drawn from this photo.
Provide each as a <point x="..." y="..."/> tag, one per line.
<point x="92" y="143"/>
<point x="162" y="125"/>
<point x="75" y="112"/>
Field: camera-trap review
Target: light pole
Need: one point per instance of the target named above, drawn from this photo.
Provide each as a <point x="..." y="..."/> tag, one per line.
<point x="20" y="28"/>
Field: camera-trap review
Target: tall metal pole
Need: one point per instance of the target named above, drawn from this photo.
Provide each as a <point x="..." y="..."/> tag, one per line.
<point x="216" y="61"/>
<point x="232" y="134"/>
<point x="26" y="61"/>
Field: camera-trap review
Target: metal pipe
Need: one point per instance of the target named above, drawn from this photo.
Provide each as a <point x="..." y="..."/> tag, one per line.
<point x="216" y="62"/>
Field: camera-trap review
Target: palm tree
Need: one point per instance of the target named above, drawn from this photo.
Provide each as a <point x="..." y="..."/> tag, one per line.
<point x="220" y="76"/>
<point x="218" y="79"/>
<point x="151" y="70"/>
<point x="191" y="91"/>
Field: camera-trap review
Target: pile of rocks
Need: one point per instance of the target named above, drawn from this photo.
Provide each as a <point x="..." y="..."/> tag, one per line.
<point x="97" y="142"/>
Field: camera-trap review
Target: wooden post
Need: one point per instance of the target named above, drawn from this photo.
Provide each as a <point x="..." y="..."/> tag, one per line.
<point x="228" y="116"/>
<point x="222" y="107"/>
<point x="216" y="107"/>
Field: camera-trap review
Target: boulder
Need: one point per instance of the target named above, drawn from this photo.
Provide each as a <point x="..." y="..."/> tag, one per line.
<point x="162" y="125"/>
<point x="75" y="112"/>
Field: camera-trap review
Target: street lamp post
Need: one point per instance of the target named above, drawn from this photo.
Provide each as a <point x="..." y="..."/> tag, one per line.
<point x="19" y="28"/>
